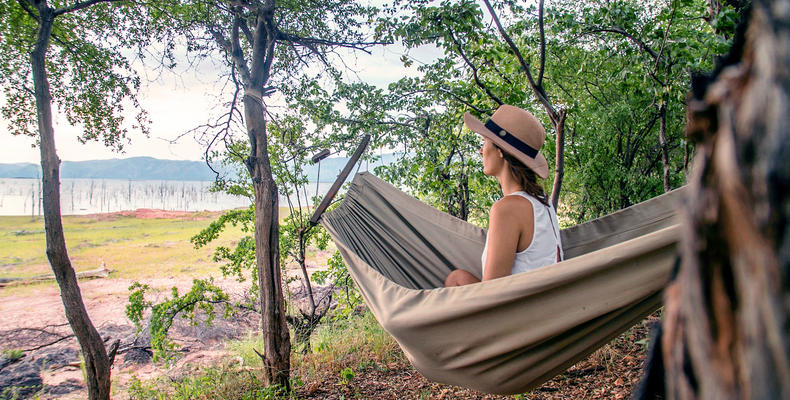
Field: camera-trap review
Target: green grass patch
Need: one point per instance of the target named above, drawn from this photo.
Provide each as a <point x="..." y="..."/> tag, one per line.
<point x="132" y="248"/>
<point x="340" y="349"/>
<point x="12" y="354"/>
<point x="357" y="342"/>
<point x="218" y="382"/>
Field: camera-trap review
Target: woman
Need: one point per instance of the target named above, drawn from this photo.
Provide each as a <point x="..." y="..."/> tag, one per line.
<point x="523" y="232"/>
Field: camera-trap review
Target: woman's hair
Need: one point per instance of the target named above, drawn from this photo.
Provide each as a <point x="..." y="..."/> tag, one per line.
<point x="525" y="177"/>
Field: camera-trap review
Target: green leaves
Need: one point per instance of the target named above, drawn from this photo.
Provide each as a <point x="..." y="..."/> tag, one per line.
<point x="91" y="80"/>
<point x="202" y="297"/>
<point x="348" y="297"/>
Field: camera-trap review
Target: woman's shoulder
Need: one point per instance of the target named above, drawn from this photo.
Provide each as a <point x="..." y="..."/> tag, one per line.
<point x="508" y="206"/>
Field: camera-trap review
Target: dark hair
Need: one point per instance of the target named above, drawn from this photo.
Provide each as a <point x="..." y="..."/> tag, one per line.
<point x="525" y="177"/>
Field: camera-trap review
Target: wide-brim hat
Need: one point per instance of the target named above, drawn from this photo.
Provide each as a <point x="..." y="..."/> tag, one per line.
<point x="517" y="132"/>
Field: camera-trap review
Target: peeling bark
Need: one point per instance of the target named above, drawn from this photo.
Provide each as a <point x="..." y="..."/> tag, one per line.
<point x="726" y="316"/>
<point x="277" y="342"/>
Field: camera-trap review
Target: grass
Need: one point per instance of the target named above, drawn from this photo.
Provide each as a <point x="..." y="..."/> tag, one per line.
<point x="12" y="354"/>
<point x="340" y="349"/>
<point x="216" y="382"/>
<point x="357" y="342"/>
<point x="132" y="248"/>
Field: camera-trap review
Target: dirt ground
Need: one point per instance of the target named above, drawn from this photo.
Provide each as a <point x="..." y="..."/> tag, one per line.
<point x="36" y="317"/>
<point x="610" y="373"/>
<point x="105" y="300"/>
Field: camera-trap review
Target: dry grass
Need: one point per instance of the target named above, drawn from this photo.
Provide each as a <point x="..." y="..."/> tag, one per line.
<point x="131" y="247"/>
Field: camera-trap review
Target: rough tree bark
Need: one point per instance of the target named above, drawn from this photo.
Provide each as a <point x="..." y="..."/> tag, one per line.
<point x="726" y="314"/>
<point x="277" y="342"/>
<point x="276" y="338"/>
<point x="97" y="363"/>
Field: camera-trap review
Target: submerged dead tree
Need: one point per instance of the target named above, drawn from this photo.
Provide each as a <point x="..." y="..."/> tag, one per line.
<point x="726" y="317"/>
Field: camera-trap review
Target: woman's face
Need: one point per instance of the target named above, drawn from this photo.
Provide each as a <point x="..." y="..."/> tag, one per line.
<point x="492" y="158"/>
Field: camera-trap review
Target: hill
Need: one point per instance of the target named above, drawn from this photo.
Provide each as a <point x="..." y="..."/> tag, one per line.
<point x="149" y="168"/>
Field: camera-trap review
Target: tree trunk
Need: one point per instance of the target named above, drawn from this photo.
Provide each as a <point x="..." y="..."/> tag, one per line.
<point x="726" y="314"/>
<point x="308" y="287"/>
<point x="276" y="338"/>
<point x="559" y="161"/>
<point x="97" y="364"/>
<point x="662" y="140"/>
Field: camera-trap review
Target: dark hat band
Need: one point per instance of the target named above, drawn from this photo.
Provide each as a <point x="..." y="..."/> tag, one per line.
<point x="511" y="140"/>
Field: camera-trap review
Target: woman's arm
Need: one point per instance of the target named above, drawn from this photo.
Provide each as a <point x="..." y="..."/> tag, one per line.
<point x="508" y="218"/>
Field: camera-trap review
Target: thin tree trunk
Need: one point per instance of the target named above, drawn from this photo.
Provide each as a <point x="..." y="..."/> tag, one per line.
<point x="557" y="117"/>
<point x="305" y="276"/>
<point x="97" y="364"/>
<point x="559" y="161"/>
<point x="662" y="139"/>
<point x="726" y="315"/>
<point x="277" y="343"/>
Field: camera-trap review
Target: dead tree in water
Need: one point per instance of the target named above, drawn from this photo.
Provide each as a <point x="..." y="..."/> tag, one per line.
<point x="725" y="329"/>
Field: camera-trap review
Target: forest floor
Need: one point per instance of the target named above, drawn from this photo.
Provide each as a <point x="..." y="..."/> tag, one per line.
<point x="153" y="248"/>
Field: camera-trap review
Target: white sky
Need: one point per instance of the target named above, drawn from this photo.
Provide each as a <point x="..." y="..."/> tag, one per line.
<point x="178" y="102"/>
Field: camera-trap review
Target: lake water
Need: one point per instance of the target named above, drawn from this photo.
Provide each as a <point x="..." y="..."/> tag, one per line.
<point x="90" y="196"/>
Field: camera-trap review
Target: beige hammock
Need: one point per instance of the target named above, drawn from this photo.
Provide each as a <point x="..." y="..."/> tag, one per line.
<point x="511" y="334"/>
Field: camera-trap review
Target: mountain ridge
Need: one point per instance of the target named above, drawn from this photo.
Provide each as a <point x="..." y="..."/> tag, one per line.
<point x="149" y="168"/>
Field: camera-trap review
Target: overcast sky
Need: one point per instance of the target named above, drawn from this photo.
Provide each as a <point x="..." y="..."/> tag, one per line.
<point x="178" y="102"/>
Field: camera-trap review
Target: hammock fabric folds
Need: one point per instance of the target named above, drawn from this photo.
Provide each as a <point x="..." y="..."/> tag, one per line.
<point x="511" y="334"/>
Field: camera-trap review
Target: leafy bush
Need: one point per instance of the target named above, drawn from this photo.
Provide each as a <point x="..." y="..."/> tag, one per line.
<point x="337" y="274"/>
<point x="202" y="297"/>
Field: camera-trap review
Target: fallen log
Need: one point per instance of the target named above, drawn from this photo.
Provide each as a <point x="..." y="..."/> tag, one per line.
<point x="102" y="272"/>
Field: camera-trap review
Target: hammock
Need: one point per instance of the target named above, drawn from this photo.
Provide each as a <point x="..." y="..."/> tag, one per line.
<point x="505" y="335"/>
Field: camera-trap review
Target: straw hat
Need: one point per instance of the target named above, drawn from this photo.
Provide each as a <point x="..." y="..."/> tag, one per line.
<point x="517" y="132"/>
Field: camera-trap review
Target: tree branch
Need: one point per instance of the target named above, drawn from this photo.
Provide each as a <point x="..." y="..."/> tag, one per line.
<point x="460" y="100"/>
<point x="238" y="60"/>
<point x="247" y="33"/>
<point x="542" y="44"/>
<point x="311" y="42"/>
<point x="666" y="34"/>
<point x="539" y="92"/>
<point x="474" y="68"/>
<point x="642" y="45"/>
<point x="81" y="5"/>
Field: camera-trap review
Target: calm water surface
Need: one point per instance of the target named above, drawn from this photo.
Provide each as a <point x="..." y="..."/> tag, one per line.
<point x="90" y="196"/>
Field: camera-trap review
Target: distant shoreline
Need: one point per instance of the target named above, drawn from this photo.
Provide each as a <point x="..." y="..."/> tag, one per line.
<point x="150" y="213"/>
<point x="153" y="169"/>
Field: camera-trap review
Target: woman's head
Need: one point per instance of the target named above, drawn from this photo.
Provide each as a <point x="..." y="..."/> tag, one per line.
<point x="515" y="132"/>
<point x="497" y="162"/>
<point x="524" y="176"/>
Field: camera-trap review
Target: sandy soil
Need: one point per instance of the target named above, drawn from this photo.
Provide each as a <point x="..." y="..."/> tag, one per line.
<point x="149" y="213"/>
<point x="105" y="301"/>
<point x="35" y="308"/>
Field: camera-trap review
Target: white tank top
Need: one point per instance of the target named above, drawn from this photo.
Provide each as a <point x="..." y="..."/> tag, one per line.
<point x="546" y="240"/>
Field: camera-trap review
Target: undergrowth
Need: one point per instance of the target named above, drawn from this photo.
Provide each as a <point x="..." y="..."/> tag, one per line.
<point x="217" y="382"/>
<point x="340" y="348"/>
